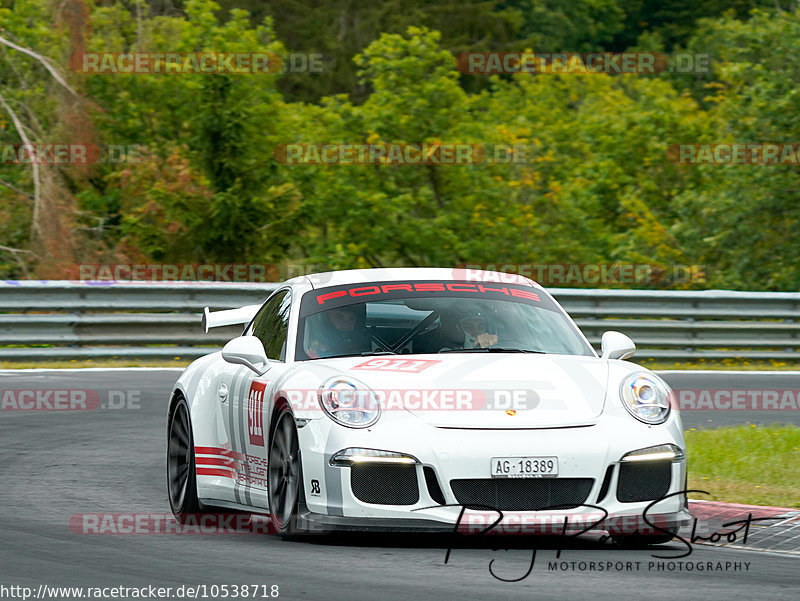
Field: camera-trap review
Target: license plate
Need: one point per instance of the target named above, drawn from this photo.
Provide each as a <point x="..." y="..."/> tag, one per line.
<point x="524" y="467"/>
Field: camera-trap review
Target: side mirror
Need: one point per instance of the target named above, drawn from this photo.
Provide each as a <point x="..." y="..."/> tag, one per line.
<point x="248" y="351"/>
<point x="616" y="345"/>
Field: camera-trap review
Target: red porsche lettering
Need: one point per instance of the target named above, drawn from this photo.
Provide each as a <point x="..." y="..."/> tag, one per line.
<point x="461" y="287"/>
<point x="364" y="291"/>
<point x="425" y="287"/>
<point x="524" y="294"/>
<point x="487" y="289"/>
<point x="329" y="295"/>
<point x="435" y="287"/>
<point x="388" y="288"/>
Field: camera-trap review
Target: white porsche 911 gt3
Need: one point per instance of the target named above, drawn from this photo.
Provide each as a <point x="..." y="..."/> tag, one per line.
<point x="418" y="399"/>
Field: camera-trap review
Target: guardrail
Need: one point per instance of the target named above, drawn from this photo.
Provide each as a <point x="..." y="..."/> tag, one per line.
<point x="149" y="320"/>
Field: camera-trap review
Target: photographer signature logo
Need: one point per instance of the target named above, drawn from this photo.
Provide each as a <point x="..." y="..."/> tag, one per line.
<point x="731" y="531"/>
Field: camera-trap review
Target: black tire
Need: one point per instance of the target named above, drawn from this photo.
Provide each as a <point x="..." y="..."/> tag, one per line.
<point x="285" y="475"/>
<point x="181" y="475"/>
<point x="639" y="541"/>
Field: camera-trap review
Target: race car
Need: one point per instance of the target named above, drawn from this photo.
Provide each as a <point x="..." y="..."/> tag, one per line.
<point x="425" y="399"/>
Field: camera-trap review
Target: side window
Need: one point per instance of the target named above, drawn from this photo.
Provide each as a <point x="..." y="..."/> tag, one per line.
<point x="271" y="325"/>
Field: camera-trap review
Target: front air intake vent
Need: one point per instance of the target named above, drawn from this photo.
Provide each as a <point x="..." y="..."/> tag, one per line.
<point x="381" y="484"/>
<point x="643" y="481"/>
<point x="522" y="494"/>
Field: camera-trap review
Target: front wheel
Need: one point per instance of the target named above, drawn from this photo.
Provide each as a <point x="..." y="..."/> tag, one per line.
<point x="181" y="478"/>
<point x="285" y="475"/>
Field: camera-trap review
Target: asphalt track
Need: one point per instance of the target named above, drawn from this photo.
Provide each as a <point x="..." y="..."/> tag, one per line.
<point x="734" y="381"/>
<point x="58" y="464"/>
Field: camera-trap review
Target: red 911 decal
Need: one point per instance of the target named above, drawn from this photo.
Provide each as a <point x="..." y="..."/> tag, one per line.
<point x="255" y="413"/>
<point x="406" y="365"/>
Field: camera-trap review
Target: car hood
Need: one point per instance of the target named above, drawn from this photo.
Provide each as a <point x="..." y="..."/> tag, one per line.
<point x="480" y="390"/>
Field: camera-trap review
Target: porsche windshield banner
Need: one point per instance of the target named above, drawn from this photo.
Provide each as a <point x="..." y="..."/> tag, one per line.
<point x="332" y="297"/>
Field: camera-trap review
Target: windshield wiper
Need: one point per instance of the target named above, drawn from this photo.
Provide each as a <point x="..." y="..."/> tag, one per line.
<point x="364" y="354"/>
<point x="491" y="349"/>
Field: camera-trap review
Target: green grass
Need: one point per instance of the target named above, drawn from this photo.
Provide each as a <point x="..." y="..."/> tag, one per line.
<point x="719" y="364"/>
<point x="77" y="363"/>
<point x="756" y="465"/>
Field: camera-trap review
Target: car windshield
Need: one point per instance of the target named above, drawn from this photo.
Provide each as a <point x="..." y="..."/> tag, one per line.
<point x="433" y="317"/>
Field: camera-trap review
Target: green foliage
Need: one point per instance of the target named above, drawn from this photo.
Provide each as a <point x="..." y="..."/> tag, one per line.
<point x="745" y="220"/>
<point x="595" y="185"/>
<point x="675" y="20"/>
<point x="578" y="26"/>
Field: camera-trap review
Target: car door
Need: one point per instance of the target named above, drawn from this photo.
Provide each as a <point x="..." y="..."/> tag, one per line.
<point x="251" y="396"/>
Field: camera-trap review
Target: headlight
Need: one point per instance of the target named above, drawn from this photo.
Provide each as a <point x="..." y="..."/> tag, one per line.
<point x="349" y="403"/>
<point x="354" y="456"/>
<point x="662" y="452"/>
<point x="646" y="397"/>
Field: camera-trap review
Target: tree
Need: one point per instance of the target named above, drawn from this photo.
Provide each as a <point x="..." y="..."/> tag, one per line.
<point x="744" y="219"/>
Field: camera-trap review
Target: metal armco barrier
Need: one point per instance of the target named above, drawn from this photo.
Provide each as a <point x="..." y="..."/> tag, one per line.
<point x="149" y="320"/>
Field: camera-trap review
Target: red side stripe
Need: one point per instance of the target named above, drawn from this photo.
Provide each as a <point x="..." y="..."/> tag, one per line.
<point x="214" y="471"/>
<point x="211" y="450"/>
<point x="218" y="451"/>
<point x="215" y="461"/>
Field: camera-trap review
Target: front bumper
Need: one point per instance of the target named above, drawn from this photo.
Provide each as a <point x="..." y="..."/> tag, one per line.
<point x="589" y="484"/>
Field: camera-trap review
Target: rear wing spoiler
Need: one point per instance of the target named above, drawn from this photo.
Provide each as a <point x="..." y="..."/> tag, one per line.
<point x="229" y="317"/>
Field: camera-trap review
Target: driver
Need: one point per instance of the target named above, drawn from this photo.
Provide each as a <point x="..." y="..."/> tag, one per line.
<point x="476" y="334"/>
<point x="340" y="331"/>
